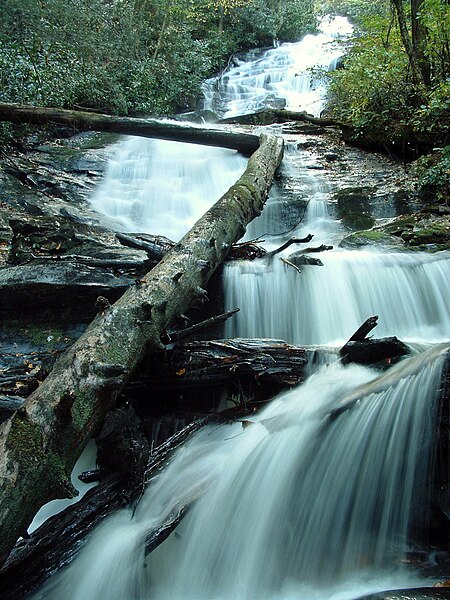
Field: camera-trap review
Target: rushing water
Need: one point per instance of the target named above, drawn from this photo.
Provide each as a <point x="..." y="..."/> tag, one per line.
<point x="300" y="504"/>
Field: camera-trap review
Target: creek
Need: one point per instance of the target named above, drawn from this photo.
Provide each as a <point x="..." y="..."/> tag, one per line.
<point x="296" y="505"/>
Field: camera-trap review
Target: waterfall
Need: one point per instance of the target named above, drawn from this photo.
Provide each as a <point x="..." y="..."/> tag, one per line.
<point x="326" y="304"/>
<point x="297" y="505"/>
<point x="287" y="76"/>
<point x="149" y="186"/>
<point x="300" y="504"/>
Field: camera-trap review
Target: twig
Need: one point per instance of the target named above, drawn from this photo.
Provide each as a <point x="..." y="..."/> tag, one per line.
<point x="288" y="262"/>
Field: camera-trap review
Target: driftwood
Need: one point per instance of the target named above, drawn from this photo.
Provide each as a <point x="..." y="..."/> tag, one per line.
<point x="246" y="143"/>
<point x="369" y="352"/>
<point x="272" y="115"/>
<point x="359" y="349"/>
<point x="182" y="334"/>
<point x="392" y="376"/>
<point x="218" y="362"/>
<point x="403" y="139"/>
<point x="363" y="330"/>
<point x="40" y="444"/>
<point x="156" y="246"/>
<point x="304" y="240"/>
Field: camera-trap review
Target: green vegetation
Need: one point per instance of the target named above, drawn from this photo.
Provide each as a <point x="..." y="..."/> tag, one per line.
<point x="131" y="56"/>
<point x="394" y="87"/>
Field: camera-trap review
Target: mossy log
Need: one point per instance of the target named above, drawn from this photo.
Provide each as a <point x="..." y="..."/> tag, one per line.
<point x="246" y="143"/>
<point x="61" y="537"/>
<point x="40" y="444"/>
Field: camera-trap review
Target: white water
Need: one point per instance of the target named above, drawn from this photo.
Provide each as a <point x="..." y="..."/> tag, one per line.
<point x="280" y="73"/>
<point x="295" y="506"/>
<point x="325" y="305"/>
<point x="163" y="187"/>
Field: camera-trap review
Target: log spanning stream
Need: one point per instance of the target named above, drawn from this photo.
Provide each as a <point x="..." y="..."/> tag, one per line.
<point x="296" y="505"/>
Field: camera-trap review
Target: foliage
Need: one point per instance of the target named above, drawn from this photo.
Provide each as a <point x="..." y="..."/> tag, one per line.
<point x="433" y="173"/>
<point x="129" y="56"/>
<point x="356" y="10"/>
<point x="263" y="21"/>
<point x="435" y="17"/>
<point x="371" y="84"/>
<point x="376" y="91"/>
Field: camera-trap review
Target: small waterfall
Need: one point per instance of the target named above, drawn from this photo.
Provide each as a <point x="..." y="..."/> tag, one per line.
<point x="286" y="76"/>
<point x="326" y="304"/>
<point x="297" y="505"/>
<point x="149" y="186"/>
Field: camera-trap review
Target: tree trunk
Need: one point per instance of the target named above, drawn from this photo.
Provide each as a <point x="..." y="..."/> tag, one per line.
<point x="152" y="128"/>
<point x="41" y="443"/>
<point x="419" y="41"/>
<point x="410" y="48"/>
<point x="273" y="115"/>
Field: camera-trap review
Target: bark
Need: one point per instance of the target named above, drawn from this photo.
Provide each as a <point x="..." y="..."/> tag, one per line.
<point x="272" y="115"/>
<point x="218" y="362"/>
<point x="363" y="330"/>
<point x="409" y="45"/>
<point x="181" y="334"/>
<point x="419" y="41"/>
<point x="41" y="443"/>
<point x="369" y="352"/>
<point x="393" y="376"/>
<point x="167" y="130"/>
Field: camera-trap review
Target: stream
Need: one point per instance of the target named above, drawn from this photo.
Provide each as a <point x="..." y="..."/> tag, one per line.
<point x="297" y="505"/>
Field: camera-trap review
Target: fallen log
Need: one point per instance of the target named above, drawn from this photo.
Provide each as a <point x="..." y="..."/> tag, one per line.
<point x="400" y="371"/>
<point x="363" y="330"/>
<point x="358" y="349"/>
<point x="246" y="143"/>
<point x="273" y="115"/>
<point x="372" y="351"/>
<point x="218" y="362"/>
<point x="304" y="240"/>
<point x="40" y="444"/>
<point x="181" y="334"/>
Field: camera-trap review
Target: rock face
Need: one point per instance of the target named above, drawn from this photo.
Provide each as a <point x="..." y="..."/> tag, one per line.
<point x="54" y="249"/>
<point x="427" y="230"/>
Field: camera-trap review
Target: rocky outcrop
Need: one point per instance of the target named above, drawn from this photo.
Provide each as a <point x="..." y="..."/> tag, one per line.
<point x="427" y="230"/>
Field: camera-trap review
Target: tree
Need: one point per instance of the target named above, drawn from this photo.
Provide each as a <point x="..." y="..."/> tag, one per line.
<point x="414" y="42"/>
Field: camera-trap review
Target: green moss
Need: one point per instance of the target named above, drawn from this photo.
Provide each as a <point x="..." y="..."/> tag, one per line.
<point x="25" y="442"/>
<point x="374" y="235"/>
<point x="43" y="336"/>
<point x="354" y="207"/>
<point x="81" y="410"/>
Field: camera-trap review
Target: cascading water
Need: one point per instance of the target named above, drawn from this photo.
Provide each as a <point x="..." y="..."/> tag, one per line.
<point x="279" y="77"/>
<point x="314" y="499"/>
<point x="299" y="505"/>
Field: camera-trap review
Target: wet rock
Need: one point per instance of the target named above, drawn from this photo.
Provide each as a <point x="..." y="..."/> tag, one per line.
<point x="354" y="207"/>
<point x="57" y="284"/>
<point x="421" y="231"/>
